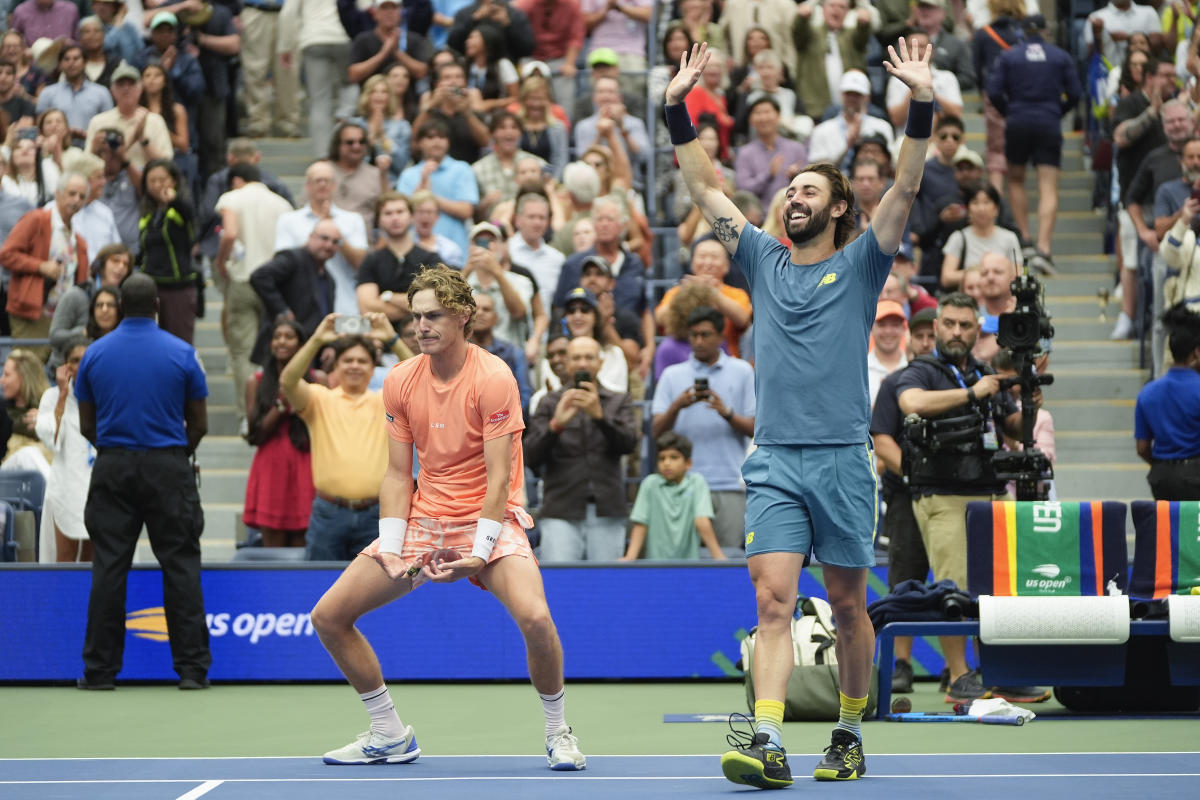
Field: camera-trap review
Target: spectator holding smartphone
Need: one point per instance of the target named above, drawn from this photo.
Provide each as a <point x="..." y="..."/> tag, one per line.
<point x="710" y="398"/>
<point x="577" y="437"/>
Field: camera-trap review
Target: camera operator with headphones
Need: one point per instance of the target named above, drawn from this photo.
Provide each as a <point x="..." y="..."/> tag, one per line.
<point x="956" y="414"/>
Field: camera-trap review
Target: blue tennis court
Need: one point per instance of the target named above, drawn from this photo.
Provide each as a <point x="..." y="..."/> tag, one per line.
<point x="994" y="775"/>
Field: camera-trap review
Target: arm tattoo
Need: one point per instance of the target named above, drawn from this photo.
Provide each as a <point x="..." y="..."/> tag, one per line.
<point x="723" y="229"/>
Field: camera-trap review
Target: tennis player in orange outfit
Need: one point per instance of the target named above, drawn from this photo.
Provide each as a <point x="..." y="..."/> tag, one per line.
<point x="460" y="407"/>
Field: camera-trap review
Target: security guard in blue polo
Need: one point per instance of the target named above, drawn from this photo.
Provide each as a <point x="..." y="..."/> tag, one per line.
<point x="141" y="394"/>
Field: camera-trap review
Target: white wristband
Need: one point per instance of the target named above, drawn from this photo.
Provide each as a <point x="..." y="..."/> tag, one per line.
<point x="487" y="533"/>
<point x="391" y="534"/>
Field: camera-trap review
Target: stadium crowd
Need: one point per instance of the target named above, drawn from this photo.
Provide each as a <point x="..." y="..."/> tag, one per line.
<point x="511" y="140"/>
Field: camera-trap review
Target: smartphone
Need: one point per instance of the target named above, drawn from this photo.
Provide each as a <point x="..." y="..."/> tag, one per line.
<point x="352" y="325"/>
<point x="700" y="387"/>
<point x="28" y="133"/>
<point x="581" y="377"/>
<point x="484" y="241"/>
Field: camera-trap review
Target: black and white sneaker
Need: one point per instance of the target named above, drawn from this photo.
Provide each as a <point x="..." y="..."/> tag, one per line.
<point x="902" y="677"/>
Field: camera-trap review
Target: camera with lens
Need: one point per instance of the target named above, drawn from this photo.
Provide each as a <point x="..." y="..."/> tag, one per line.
<point x="1024" y="328"/>
<point x="114" y="139"/>
<point x="1022" y="331"/>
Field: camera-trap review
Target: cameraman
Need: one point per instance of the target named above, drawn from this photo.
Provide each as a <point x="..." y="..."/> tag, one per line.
<point x="951" y="385"/>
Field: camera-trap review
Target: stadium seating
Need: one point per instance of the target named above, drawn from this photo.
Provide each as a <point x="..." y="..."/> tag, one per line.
<point x="23" y="491"/>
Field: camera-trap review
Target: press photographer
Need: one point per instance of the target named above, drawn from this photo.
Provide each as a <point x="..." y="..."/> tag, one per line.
<point x="955" y="413"/>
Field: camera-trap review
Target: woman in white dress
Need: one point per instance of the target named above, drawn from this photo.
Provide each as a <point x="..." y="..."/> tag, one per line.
<point x="63" y="536"/>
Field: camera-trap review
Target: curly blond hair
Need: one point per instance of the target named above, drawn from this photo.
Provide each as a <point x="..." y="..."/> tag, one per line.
<point x="687" y="299"/>
<point x="450" y="288"/>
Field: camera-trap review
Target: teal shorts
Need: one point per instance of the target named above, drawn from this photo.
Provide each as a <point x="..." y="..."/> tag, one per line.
<point x="819" y="499"/>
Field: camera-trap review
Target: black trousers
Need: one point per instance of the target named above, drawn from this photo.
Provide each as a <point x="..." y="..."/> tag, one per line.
<point x="157" y="488"/>
<point x="1175" y="480"/>
<point x="907" y="559"/>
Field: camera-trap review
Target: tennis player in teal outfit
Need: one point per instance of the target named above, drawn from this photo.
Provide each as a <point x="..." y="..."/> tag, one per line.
<point x="811" y="484"/>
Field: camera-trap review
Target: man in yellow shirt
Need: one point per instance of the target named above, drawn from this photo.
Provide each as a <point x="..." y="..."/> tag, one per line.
<point x="346" y="427"/>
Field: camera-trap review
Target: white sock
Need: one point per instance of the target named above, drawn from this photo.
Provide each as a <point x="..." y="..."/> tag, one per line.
<point x="554" y="707"/>
<point x="384" y="719"/>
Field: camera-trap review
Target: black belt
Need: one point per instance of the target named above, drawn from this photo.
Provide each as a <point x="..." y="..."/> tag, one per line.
<point x="1178" y="461"/>
<point x="267" y="9"/>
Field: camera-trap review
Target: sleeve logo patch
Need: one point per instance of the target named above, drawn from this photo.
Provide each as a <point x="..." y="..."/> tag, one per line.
<point x="498" y="417"/>
<point x="390" y="418"/>
<point x="829" y="278"/>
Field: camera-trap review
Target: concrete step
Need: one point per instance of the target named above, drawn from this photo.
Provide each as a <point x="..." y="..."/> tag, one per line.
<point x="1078" y="283"/>
<point x="223" y="485"/>
<point x="1066" y="243"/>
<point x="225" y="451"/>
<point x="215" y="360"/>
<point x="1088" y="328"/>
<point x="1076" y="220"/>
<point x="1098" y="383"/>
<point x="208" y="331"/>
<point x="1089" y="262"/>
<point x="1080" y="305"/>
<point x="1108" y="481"/>
<point x="1097" y="352"/>
<point x="1096" y="446"/>
<point x="1073" y="414"/>
<point x="222" y="420"/>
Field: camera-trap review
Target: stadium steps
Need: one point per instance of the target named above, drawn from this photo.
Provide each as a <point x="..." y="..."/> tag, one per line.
<point x="1096" y="380"/>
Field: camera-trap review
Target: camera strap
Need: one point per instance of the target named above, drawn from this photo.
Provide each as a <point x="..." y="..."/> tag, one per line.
<point x="990" y="440"/>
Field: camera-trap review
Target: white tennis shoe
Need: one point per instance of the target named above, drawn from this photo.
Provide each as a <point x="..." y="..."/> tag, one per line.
<point x="374" y="748"/>
<point x="562" y="751"/>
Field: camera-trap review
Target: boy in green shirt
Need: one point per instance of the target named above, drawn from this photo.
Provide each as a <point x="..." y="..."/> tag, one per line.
<point x="674" y="505"/>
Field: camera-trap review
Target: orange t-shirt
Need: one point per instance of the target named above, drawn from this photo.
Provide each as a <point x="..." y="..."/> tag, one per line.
<point x="733" y="334"/>
<point x="448" y="423"/>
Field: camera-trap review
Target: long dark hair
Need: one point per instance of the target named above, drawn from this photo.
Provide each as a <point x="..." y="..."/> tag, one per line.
<point x="268" y="389"/>
<point x="92" y="328"/>
<point x="493" y="43"/>
<point x="166" y="97"/>
<point x="149" y="204"/>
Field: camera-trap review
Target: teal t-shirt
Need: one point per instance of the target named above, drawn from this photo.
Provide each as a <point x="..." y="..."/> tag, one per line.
<point x="669" y="513"/>
<point x="811" y="325"/>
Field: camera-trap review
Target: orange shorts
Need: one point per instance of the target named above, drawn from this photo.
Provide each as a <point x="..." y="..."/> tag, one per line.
<point x="425" y="537"/>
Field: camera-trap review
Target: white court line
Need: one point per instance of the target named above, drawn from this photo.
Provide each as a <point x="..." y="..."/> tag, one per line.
<point x="200" y="790"/>
<point x="464" y="778"/>
<point x="425" y="756"/>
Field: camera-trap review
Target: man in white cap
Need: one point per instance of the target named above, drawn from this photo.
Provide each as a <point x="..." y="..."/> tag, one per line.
<point x="833" y="138"/>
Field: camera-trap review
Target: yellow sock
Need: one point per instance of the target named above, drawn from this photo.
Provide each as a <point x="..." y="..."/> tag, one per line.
<point x="851" y="713"/>
<point x="768" y="719"/>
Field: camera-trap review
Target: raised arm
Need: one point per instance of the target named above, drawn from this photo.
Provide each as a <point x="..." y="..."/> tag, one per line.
<point x="703" y="182"/>
<point x="892" y="214"/>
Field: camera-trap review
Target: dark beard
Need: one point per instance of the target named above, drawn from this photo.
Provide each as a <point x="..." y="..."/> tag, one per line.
<point x="817" y="222"/>
<point x="954" y="350"/>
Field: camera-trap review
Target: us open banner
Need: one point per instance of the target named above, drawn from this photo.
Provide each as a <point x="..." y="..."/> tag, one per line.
<point x="636" y="622"/>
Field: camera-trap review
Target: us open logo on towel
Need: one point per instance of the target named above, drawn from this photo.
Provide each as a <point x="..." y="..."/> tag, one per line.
<point x="498" y="417"/>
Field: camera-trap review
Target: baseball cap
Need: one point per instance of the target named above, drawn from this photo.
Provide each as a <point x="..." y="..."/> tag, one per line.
<point x="126" y="72"/>
<point x="379" y="3"/>
<point x="604" y="56"/>
<point x="598" y="262"/>
<point x="965" y="153"/>
<point x="889" y="308"/>
<point x="535" y="68"/>
<point x="581" y="295"/>
<point x="925" y="315"/>
<point x="854" y="81"/>
<point x="164" y="18"/>
<point x="485" y="227"/>
<point x="934" y="3"/>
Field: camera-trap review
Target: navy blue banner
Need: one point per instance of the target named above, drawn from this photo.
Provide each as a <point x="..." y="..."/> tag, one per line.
<point x="636" y="622"/>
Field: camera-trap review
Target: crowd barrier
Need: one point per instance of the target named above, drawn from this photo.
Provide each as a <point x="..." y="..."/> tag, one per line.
<point x="632" y="622"/>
